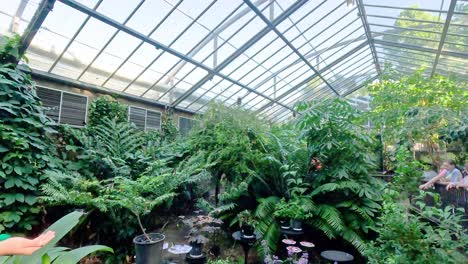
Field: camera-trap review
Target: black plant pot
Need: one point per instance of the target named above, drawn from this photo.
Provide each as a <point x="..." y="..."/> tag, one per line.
<point x="149" y="252"/>
<point x="284" y="224"/>
<point x="247" y="231"/>
<point x="196" y="251"/>
<point x="296" y="225"/>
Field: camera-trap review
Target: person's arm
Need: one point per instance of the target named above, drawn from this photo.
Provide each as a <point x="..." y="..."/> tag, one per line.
<point x="433" y="180"/>
<point x="24" y="246"/>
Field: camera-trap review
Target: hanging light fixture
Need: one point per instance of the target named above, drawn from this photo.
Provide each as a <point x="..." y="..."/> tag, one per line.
<point x="351" y="3"/>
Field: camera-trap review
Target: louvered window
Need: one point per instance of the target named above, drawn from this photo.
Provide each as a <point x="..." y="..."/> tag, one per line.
<point x="51" y="101"/>
<point x="144" y="119"/>
<point x="153" y="120"/>
<point x="63" y="107"/>
<point x="185" y="125"/>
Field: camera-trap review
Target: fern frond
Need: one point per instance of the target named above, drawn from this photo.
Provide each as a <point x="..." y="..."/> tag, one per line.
<point x="353" y="238"/>
<point x="331" y="216"/>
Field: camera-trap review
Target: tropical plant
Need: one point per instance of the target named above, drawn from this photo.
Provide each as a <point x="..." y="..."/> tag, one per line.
<point x="106" y="107"/>
<point x="26" y="149"/>
<point x="294" y="209"/>
<point x="169" y="130"/>
<point x="408" y="173"/>
<point x="416" y="109"/>
<point x="49" y="254"/>
<point x="246" y="218"/>
<point x="112" y="148"/>
<point x="157" y="185"/>
<point x="346" y="197"/>
<point x="233" y="139"/>
<point x="406" y="235"/>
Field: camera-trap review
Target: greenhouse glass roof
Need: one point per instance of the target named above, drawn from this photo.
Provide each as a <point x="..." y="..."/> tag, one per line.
<point x="265" y="55"/>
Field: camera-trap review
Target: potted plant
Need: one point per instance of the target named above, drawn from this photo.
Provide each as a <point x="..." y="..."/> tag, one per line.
<point x="291" y="213"/>
<point x="246" y="223"/>
<point x="200" y="226"/>
<point x="140" y="196"/>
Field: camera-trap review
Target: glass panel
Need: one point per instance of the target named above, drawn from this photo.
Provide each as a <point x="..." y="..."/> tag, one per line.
<point x="175" y="24"/>
<point x="52" y="38"/>
<point x="110" y="58"/>
<point x="134" y="66"/>
<point x="118" y="9"/>
<point x="146" y="19"/>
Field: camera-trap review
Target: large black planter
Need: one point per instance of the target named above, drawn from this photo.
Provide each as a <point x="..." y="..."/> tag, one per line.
<point x="196" y="251"/>
<point x="149" y="252"/>
<point x="296" y="225"/>
<point x="247" y="231"/>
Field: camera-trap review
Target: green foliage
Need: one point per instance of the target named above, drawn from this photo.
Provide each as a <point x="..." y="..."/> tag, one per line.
<point x="107" y="150"/>
<point x="9" y="50"/>
<point x="246" y="218"/>
<point x="408" y="173"/>
<point x="26" y="150"/>
<point x="169" y="131"/>
<point x="346" y="196"/>
<point x="109" y="154"/>
<point x="298" y="208"/>
<point x="407" y="236"/>
<point x="232" y="137"/>
<point x="233" y="140"/>
<point x="225" y="261"/>
<point x="106" y="107"/>
<point x="121" y="195"/>
<point x="59" y="255"/>
<point x="416" y="109"/>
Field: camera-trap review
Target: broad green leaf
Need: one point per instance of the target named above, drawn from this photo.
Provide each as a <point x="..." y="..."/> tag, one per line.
<point x="3" y="149"/>
<point x="9" y="198"/>
<point x="45" y="259"/>
<point x="29" y="199"/>
<point x="75" y="255"/>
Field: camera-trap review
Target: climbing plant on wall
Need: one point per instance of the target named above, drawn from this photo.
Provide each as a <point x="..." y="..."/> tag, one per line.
<point x="25" y="148"/>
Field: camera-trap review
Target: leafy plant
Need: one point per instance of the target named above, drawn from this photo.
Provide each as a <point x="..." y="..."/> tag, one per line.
<point x="346" y="196"/>
<point x="169" y="130"/>
<point x="233" y="139"/>
<point x="246" y="218"/>
<point x="107" y="107"/>
<point x="26" y="150"/>
<point x="58" y="255"/>
<point x="416" y="109"/>
<point x="158" y="184"/>
<point x="297" y="209"/>
<point x="408" y="173"/>
<point x="408" y="236"/>
<point x="110" y="149"/>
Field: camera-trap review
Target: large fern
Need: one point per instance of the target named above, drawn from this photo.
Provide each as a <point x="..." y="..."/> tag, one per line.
<point x="347" y="196"/>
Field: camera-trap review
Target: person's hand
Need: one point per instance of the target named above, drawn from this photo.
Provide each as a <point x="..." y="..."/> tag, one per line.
<point x="45" y="238"/>
<point x="24" y="246"/>
<point x="450" y="186"/>
<point x="425" y="186"/>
